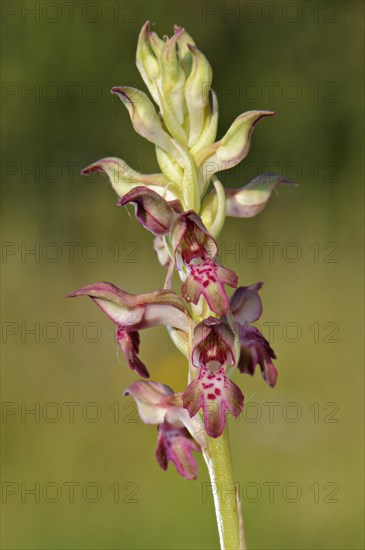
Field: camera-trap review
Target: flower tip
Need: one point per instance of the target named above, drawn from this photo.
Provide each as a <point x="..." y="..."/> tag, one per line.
<point x="146" y="27"/>
<point x="178" y="31"/>
<point x="286" y="181"/>
<point x="267" y="113"/>
<point x="91" y="168"/>
<point x="279" y="180"/>
<point x="75" y="293"/>
<point x="270" y="376"/>
<point x="121" y="91"/>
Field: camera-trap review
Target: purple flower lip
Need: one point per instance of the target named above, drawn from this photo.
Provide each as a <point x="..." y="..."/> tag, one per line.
<point x="246" y="307"/>
<point x="213" y="352"/>
<point x="215" y="394"/>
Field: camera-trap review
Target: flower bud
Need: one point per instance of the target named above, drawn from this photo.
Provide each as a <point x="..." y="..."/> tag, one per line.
<point x="197" y="93"/>
<point x="185" y="56"/>
<point x="173" y="81"/>
<point x="146" y="61"/>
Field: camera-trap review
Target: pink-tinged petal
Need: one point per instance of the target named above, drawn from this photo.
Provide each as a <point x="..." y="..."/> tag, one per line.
<point x="233" y="147"/>
<point x="133" y="312"/>
<point x="190" y="239"/>
<point x="129" y="344"/>
<point x="270" y="373"/>
<point x="256" y="350"/>
<point x="208" y="279"/>
<point x="215" y="394"/>
<point x="245" y="303"/>
<point x="253" y="197"/>
<point x="183" y="41"/>
<point x="153" y="400"/>
<point x="124" y="178"/>
<point x="152" y="211"/>
<point x="213" y="344"/>
<point x="137" y="311"/>
<point x="176" y="445"/>
<point x="121" y="307"/>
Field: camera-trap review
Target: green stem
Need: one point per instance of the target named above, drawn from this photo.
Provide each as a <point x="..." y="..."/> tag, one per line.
<point x="226" y="499"/>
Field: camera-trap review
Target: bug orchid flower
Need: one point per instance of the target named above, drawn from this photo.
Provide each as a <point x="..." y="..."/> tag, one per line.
<point x="132" y="312"/>
<point x="246" y="307"/>
<point x="213" y="353"/>
<point x="195" y="252"/>
<point x="158" y="404"/>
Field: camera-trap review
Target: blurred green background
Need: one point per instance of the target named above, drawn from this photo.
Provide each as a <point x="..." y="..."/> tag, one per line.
<point x="298" y="448"/>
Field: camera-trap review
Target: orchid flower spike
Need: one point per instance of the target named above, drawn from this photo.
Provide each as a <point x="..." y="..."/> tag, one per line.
<point x="184" y="206"/>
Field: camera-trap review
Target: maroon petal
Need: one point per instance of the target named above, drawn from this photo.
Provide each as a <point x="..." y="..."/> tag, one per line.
<point x="176" y="445"/>
<point x="215" y="394"/>
<point x="129" y="344"/>
<point x="256" y="350"/>
<point x="152" y="211"/>
<point x="245" y="303"/>
<point x="190" y="239"/>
